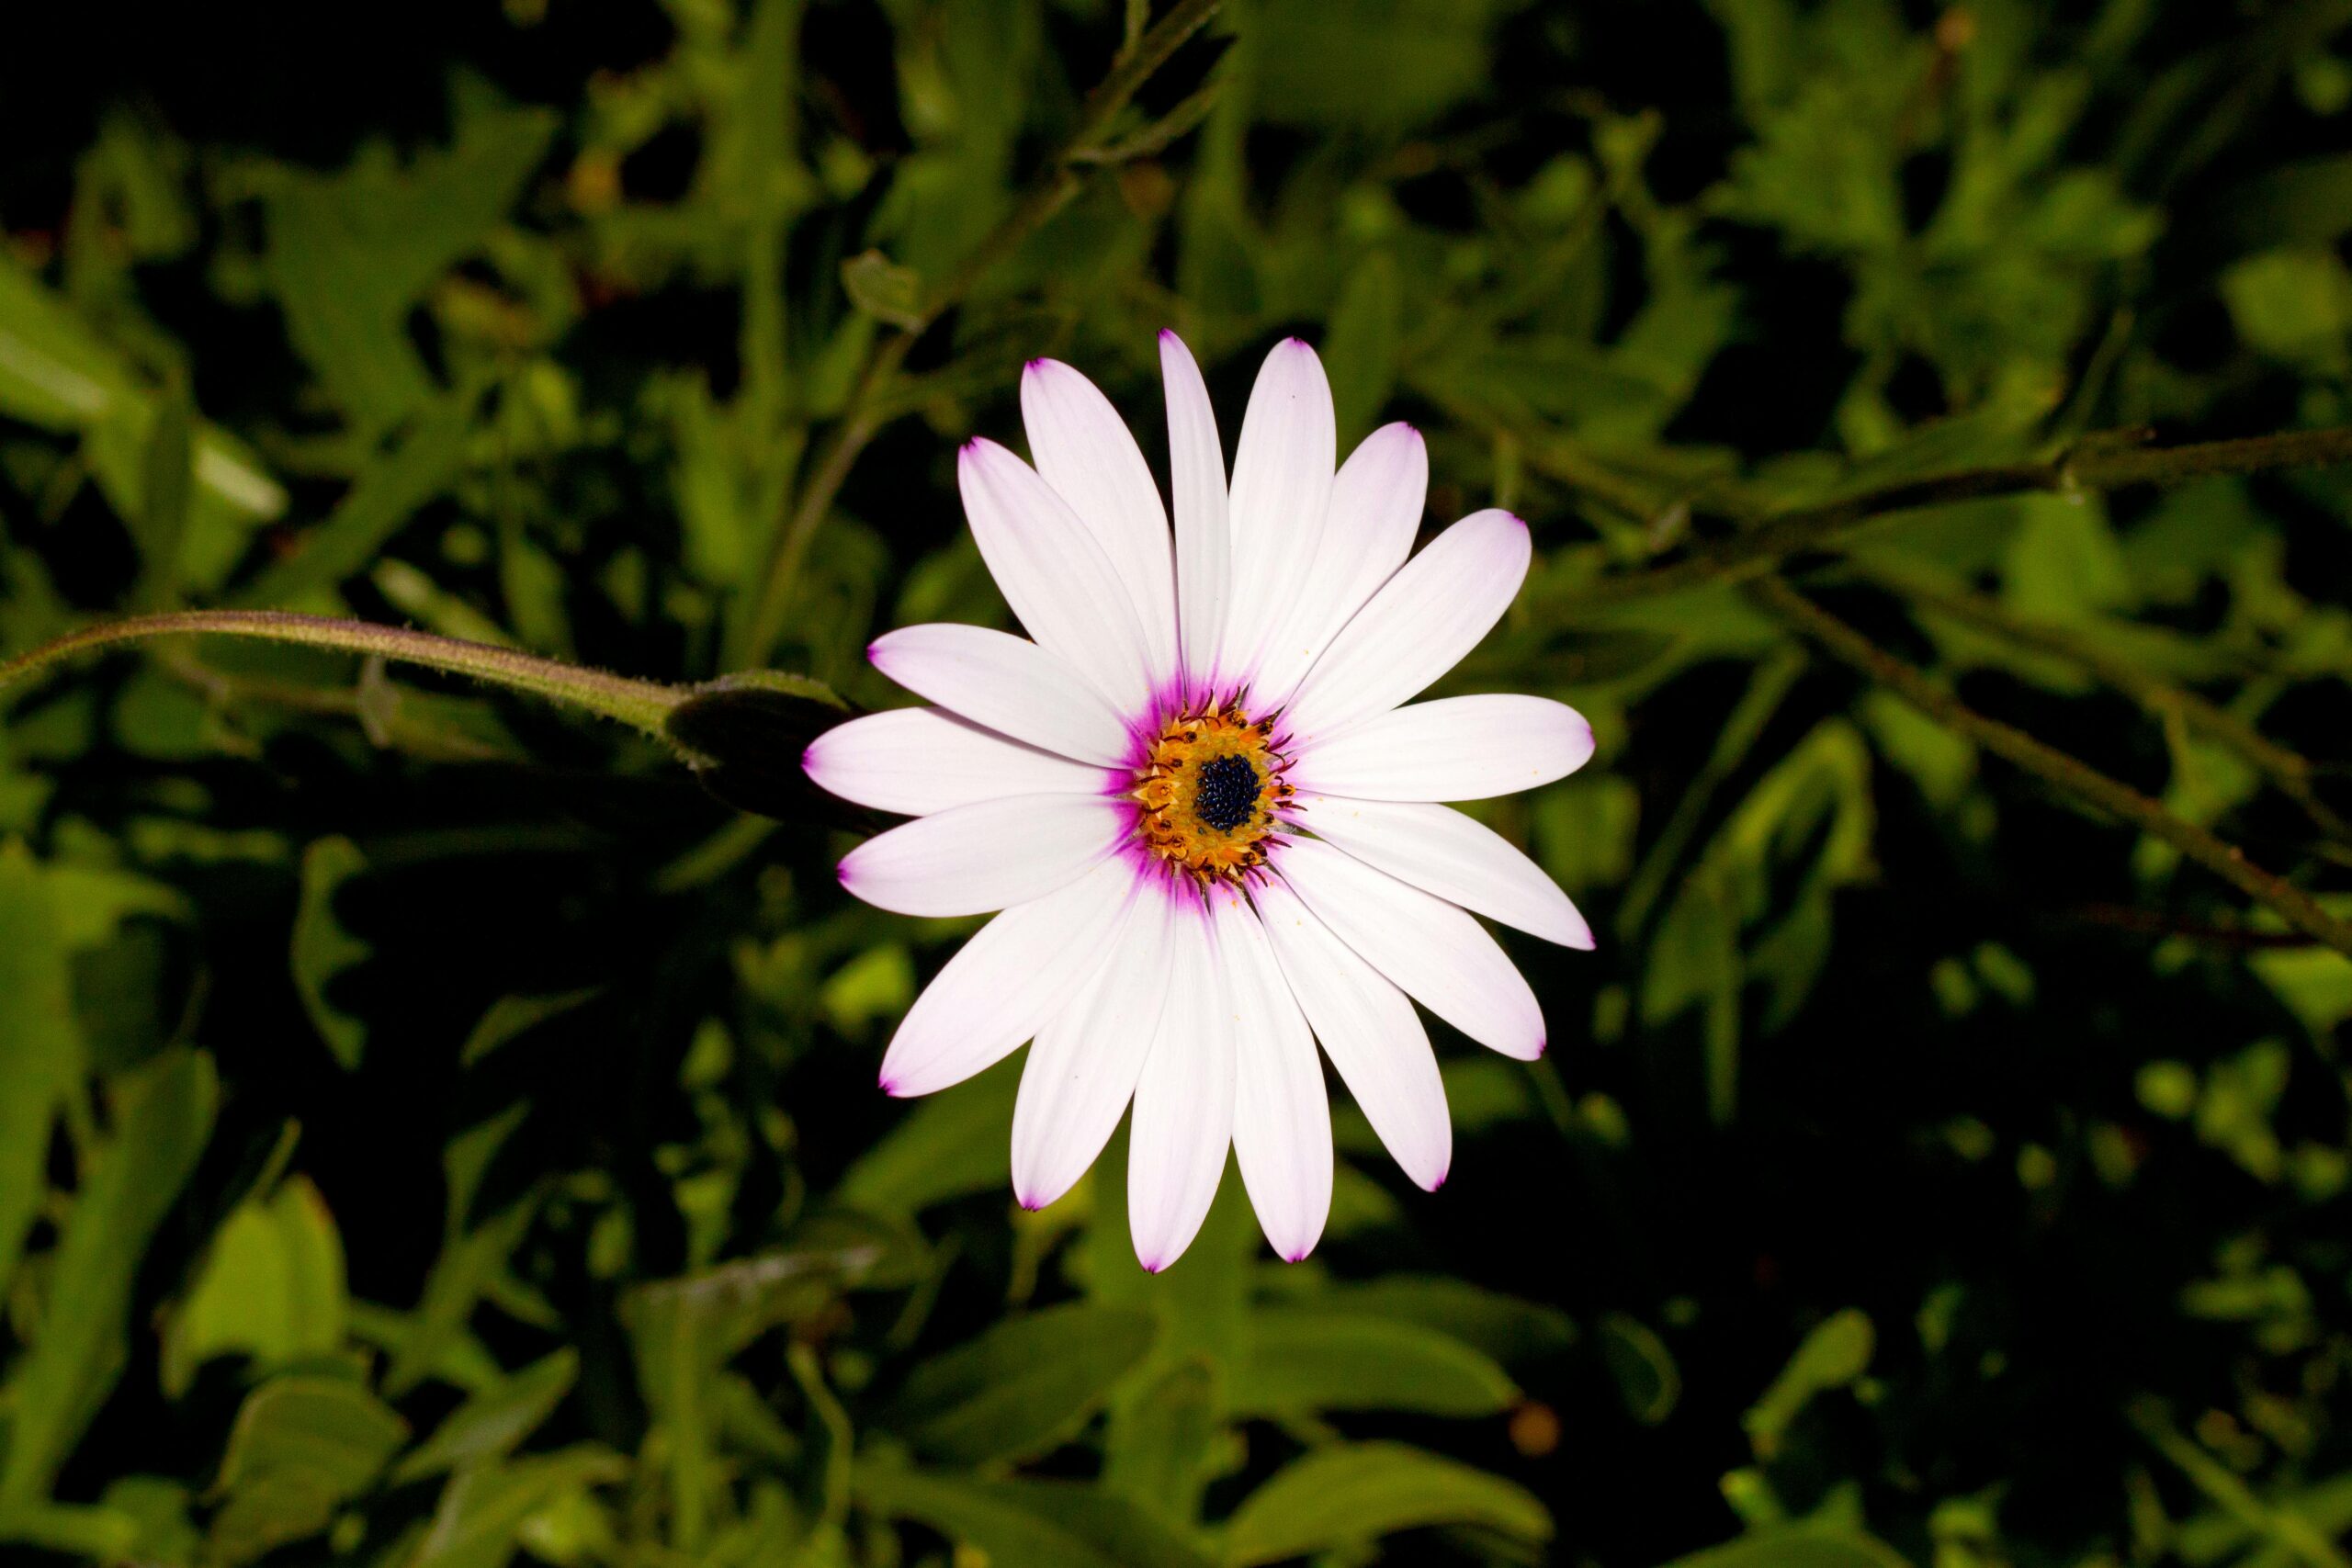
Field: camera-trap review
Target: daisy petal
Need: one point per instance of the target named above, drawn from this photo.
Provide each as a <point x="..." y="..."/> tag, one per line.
<point x="1005" y="682"/>
<point x="914" y="760"/>
<point x="1184" y="1115"/>
<point x="1054" y="575"/>
<point x="1368" y="1030"/>
<point x="1003" y="983"/>
<point x="992" y="855"/>
<point x="1375" y="510"/>
<point x="1282" y="1116"/>
<point x="1204" y="539"/>
<point x="1086" y="452"/>
<point x="1453" y="749"/>
<point x="1082" y="1070"/>
<point x="1442" y="957"/>
<point x="1437" y="608"/>
<point x="1282" y="488"/>
<point x="1439" y="850"/>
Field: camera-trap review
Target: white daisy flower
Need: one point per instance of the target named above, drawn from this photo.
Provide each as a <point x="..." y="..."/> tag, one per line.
<point x="1204" y="801"/>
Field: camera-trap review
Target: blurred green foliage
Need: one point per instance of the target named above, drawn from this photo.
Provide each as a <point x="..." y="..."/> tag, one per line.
<point x="434" y="1132"/>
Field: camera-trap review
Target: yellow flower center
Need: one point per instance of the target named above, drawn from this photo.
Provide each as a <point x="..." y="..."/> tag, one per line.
<point x="1209" y="789"/>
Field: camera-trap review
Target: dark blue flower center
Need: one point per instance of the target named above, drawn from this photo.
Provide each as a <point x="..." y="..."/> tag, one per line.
<point x="1227" y="793"/>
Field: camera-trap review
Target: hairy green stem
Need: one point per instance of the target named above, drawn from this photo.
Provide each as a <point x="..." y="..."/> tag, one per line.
<point x="863" y="421"/>
<point x="2089" y="465"/>
<point x="642" y="703"/>
<point x="2055" y="767"/>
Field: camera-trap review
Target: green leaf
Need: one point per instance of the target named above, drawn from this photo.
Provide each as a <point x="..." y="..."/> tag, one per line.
<point x="1339" y="1495"/>
<point x="100" y="1534"/>
<point x="163" y="1116"/>
<point x="876" y="985"/>
<point x="1362" y="343"/>
<point x="1647" y="1379"/>
<point x="168" y="479"/>
<point x="1160" y="1446"/>
<point x="300" y="1447"/>
<point x="493" y="1420"/>
<point x="272" y="1287"/>
<point x="40" y="1043"/>
<point x="1301" y="1359"/>
<point x="684" y="1330"/>
<point x="1372" y="63"/>
<point x="1024" y="1386"/>
<point x="1796" y="1546"/>
<point x="349" y="255"/>
<point x="58" y="374"/>
<point x="389" y="489"/>
<point x="332" y="1426"/>
<point x="485" y="1506"/>
<point x="1836" y="1353"/>
<point x="947" y="1147"/>
<point x="1501" y="1326"/>
<point x="322" y="949"/>
<point x="884" y="289"/>
<point x="1036" y="1524"/>
<point x="465" y="1270"/>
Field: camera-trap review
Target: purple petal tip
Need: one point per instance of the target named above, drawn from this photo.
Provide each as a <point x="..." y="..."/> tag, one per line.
<point x="1151" y="1267"/>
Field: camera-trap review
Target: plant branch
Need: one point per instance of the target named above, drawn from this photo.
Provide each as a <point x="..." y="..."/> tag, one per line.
<point x="641" y="704"/>
<point x="2289" y="771"/>
<point x="2052" y="766"/>
<point x="2094" y="463"/>
<point x="1065" y="174"/>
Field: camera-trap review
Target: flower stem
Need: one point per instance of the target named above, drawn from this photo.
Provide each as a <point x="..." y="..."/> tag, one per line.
<point x="2047" y="762"/>
<point x="640" y="704"/>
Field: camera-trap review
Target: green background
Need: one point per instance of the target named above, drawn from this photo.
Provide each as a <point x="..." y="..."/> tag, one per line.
<point x="437" y="1129"/>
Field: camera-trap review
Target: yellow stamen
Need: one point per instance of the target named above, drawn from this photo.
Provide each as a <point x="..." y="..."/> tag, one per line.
<point x="1198" y="817"/>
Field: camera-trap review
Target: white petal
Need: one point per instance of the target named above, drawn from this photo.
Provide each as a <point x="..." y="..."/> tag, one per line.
<point x="1439" y="850"/>
<point x="988" y="855"/>
<point x="1453" y="749"/>
<point x="1007" y="683"/>
<point x="1375" y="510"/>
<point x="1282" y="1117"/>
<point x="1184" y="1115"/>
<point x="1368" y="1030"/>
<point x="1282" y="488"/>
<point x="1437" y="608"/>
<point x="1082" y="1071"/>
<point x="1204" y="539"/>
<point x="1054" y="575"/>
<point x="1086" y="452"/>
<point x="1443" y="958"/>
<point x="920" y="759"/>
<point x="1005" y="982"/>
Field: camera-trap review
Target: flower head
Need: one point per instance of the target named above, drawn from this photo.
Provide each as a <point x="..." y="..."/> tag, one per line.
<point x="1204" y="802"/>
